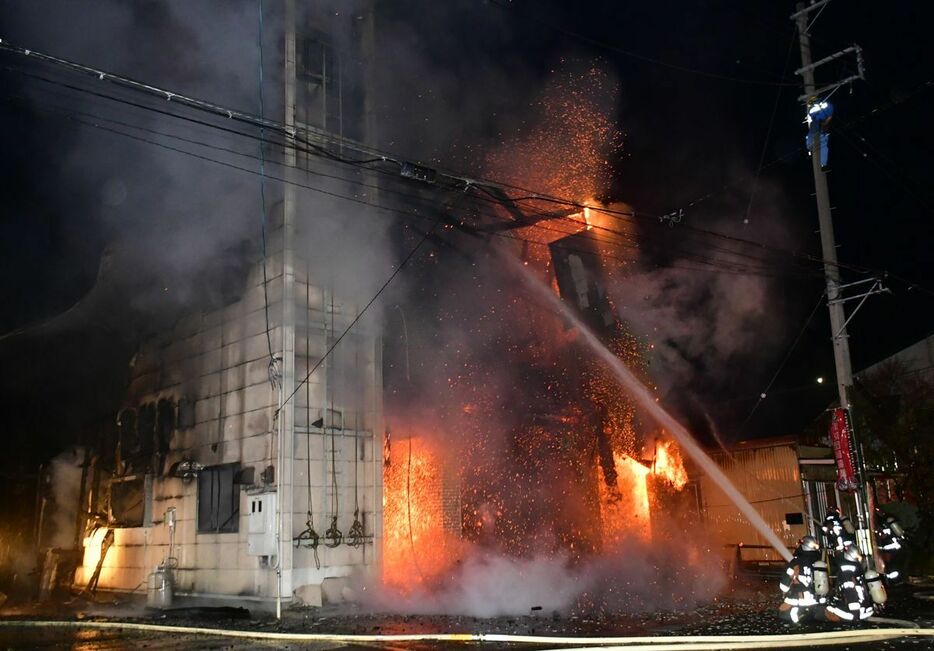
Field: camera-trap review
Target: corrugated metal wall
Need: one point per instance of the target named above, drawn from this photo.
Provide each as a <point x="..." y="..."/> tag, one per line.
<point x="770" y="479"/>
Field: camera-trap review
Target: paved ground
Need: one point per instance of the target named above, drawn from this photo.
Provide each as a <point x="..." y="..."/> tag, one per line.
<point x="748" y="610"/>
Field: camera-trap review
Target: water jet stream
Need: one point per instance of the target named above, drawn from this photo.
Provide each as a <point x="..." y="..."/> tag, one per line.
<point x="644" y="397"/>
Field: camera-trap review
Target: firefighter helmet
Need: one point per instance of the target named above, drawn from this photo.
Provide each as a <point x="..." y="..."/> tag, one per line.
<point x="851" y="553"/>
<point x="809" y="544"/>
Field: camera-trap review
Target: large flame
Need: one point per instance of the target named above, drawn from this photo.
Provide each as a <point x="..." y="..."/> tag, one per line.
<point x="556" y="448"/>
<point x="624" y="508"/>
<point x="669" y="465"/>
<point x="93" y="547"/>
<point x="417" y="547"/>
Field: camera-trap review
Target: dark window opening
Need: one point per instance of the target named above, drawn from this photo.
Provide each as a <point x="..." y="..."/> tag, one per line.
<point x="329" y="89"/>
<point x="128" y="502"/>
<point x="218" y="499"/>
<point x="186" y="413"/>
<point x="316" y="59"/>
<point x="146" y="427"/>
<point x="129" y="439"/>
<point x="794" y="518"/>
<point x="165" y="425"/>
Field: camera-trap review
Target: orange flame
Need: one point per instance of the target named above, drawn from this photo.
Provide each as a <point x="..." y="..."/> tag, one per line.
<point x="625" y="511"/>
<point x="669" y="465"/>
<point x="417" y="547"/>
<point x="626" y="508"/>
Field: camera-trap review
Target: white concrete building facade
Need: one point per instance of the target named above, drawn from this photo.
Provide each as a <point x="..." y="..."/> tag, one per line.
<point x="230" y="470"/>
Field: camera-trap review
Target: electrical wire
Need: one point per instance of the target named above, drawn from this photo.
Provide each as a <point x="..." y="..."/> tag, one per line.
<point x="801" y="151"/>
<point x="408" y="509"/>
<point x="356" y="534"/>
<point x="201" y="105"/>
<point x="333" y="536"/>
<point x="308" y="538"/>
<point x="262" y="189"/>
<point x="625" y="241"/>
<point x="290" y="132"/>
<point x="784" y="361"/>
<point x="245" y="117"/>
<point x="768" y="133"/>
<point x="45" y="323"/>
<point x="360" y="314"/>
<point x="788" y="498"/>
<point x="814" y="20"/>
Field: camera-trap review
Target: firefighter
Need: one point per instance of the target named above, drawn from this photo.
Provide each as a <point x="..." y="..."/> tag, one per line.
<point x="890" y="537"/>
<point x="820" y="112"/>
<point x="851" y="601"/>
<point x="839" y="532"/>
<point x="799" y="593"/>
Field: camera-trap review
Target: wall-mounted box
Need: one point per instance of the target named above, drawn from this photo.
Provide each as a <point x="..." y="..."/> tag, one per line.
<point x="261" y="532"/>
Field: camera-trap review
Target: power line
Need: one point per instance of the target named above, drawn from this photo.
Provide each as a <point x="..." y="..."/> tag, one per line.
<point x="799" y="151"/>
<point x="781" y="366"/>
<point x="768" y="134"/>
<point x="360" y="314"/>
<point x="291" y="133"/>
<point x="376" y="156"/>
<point x="626" y="240"/>
<point x="262" y="185"/>
<point x="716" y="265"/>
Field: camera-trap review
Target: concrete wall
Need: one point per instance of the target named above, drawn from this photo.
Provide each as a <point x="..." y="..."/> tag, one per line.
<point x="220" y="360"/>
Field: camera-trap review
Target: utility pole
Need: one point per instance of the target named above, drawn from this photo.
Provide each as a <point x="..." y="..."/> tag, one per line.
<point x="835" y="299"/>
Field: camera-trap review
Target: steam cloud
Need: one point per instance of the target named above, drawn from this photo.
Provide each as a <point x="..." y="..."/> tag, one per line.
<point x="637" y="577"/>
<point x="59" y="527"/>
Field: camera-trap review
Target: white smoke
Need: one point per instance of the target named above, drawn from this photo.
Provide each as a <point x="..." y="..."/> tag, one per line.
<point x="635" y="577"/>
<point x="689" y="315"/>
<point x="61" y="509"/>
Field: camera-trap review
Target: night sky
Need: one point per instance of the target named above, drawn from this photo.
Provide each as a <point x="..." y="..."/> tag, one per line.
<point x="709" y="121"/>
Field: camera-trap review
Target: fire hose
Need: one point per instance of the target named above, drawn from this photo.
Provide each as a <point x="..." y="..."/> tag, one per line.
<point x="657" y="643"/>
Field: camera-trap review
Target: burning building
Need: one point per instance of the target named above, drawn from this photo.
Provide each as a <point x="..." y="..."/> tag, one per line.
<point x="554" y="463"/>
<point x="551" y="459"/>
<point x="250" y="456"/>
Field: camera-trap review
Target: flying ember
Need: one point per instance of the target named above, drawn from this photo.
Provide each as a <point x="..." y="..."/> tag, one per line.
<point x="535" y="451"/>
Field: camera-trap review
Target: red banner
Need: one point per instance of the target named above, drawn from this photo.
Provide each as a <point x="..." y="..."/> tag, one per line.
<point x="843" y="453"/>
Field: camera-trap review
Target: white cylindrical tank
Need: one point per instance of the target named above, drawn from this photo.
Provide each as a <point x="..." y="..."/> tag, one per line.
<point x="876" y="588"/>
<point x="160" y="592"/>
<point x="821" y="579"/>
